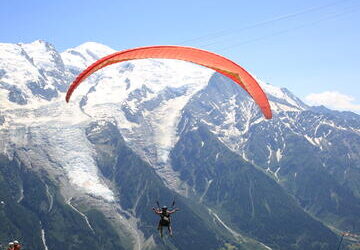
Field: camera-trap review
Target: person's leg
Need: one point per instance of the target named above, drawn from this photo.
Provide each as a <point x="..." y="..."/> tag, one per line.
<point x="170" y="230"/>
<point x="160" y="229"/>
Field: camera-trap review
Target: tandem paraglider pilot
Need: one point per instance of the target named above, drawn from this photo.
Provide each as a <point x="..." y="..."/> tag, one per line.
<point x="165" y="220"/>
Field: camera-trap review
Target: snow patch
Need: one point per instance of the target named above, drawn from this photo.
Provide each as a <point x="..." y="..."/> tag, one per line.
<point x="278" y="155"/>
<point x="208" y="183"/>
<point x="82" y="215"/>
<point x="276" y="173"/>
<point x="43" y="238"/>
<point x="234" y="233"/>
<point x="71" y="149"/>
<point x="270" y="154"/>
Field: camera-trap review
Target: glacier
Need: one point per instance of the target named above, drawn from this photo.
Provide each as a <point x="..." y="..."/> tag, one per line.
<point x="146" y="99"/>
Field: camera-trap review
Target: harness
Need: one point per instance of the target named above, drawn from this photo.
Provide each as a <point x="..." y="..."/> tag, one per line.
<point x="165" y="219"/>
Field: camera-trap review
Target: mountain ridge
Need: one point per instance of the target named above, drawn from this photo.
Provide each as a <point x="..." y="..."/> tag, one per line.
<point x="153" y="105"/>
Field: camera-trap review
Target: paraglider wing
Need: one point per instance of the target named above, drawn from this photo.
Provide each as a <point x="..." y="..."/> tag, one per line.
<point x="197" y="56"/>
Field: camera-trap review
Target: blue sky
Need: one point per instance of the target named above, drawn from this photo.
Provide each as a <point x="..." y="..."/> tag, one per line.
<point x="310" y="47"/>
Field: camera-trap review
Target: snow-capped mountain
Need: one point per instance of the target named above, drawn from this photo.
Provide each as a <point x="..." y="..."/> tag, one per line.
<point x="169" y="119"/>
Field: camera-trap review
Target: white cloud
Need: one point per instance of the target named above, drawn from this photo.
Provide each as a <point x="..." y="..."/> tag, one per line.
<point x="333" y="100"/>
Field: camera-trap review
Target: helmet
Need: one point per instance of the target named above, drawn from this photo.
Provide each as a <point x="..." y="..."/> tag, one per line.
<point x="11" y="243"/>
<point x="164" y="208"/>
<point x="16" y="242"/>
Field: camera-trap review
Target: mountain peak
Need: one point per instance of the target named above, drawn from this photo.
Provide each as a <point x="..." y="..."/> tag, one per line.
<point x="80" y="56"/>
<point x="38" y="42"/>
<point x="94" y="46"/>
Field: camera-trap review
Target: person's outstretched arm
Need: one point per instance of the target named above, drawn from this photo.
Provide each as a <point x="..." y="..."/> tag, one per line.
<point x="173" y="211"/>
<point x="157" y="211"/>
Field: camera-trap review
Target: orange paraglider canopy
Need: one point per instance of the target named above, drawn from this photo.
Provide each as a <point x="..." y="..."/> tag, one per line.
<point x="197" y="56"/>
